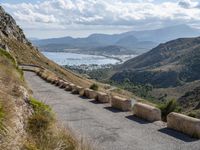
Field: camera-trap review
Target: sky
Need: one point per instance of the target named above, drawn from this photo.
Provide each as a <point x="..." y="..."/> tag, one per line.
<point x="80" y="18"/>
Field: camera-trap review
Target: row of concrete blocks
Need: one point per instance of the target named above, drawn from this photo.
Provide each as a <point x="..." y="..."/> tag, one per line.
<point x="176" y="121"/>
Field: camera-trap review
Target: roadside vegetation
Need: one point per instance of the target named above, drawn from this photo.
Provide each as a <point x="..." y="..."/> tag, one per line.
<point x="11" y="103"/>
<point x="168" y="107"/>
<point x="142" y="91"/>
<point x="94" y="87"/>
<point x="44" y="132"/>
<point x="26" y="123"/>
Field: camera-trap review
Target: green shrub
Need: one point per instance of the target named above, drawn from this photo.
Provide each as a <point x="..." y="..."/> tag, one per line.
<point x="38" y="123"/>
<point x="10" y="57"/>
<point x="44" y="134"/>
<point x="193" y="114"/>
<point x="42" y="117"/>
<point x="168" y="107"/>
<point x="7" y="55"/>
<point x="39" y="106"/>
<point x="94" y="87"/>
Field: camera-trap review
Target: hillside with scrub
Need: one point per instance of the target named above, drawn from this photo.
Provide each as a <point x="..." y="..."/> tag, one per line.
<point x="27" y="123"/>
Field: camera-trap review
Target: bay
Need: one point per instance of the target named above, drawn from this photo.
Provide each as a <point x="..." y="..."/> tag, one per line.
<point x="72" y="59"/>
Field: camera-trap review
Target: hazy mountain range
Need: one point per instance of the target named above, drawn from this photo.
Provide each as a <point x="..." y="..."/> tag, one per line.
<point x="133" y="41"/>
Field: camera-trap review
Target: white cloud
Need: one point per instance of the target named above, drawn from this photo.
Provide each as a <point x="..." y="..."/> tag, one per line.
<point x="135" y="13"/>
<point x="103" y="12"/>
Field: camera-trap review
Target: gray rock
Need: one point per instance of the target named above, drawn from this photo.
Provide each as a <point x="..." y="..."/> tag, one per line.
<point x="9" y="28"/>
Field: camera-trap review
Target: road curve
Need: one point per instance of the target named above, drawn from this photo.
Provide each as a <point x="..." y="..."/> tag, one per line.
<point x="106" y="128"/>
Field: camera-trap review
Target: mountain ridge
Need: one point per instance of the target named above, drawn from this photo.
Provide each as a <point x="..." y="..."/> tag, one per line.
<point x="136" y="41"/>
<point x="170" y="59"/>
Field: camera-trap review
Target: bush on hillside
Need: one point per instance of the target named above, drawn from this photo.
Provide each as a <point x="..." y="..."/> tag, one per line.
<point x="193" y="114"/>
<point x="42" y="117"/>
<point x="45" y="134"/>
<point x="168" y="107"/>
<point x="94" y="87"/>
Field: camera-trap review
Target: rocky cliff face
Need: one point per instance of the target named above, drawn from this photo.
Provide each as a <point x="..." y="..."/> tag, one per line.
<point x="9" y="28"/>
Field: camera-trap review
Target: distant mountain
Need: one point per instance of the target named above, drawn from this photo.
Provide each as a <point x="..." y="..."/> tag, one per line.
<point x="168" y="65"/>
<point x="135" y="41"/>
<point x="110" y="50"/>
<point x="131" y="42"/>
<point x="165" y="34"/>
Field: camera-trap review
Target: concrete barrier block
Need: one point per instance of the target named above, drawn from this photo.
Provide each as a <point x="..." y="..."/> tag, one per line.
<point x="64" y="85"/>
<point x="59" y="83"/>
<point x="44" y="76"/>
<point x="39" y="73"/>
<point x="80" y="90"/>
<point x="103" y="97"/>
<point x="69" y="87"/>
<point x="121" y="103"/>
<point x="89" y="93"/>
<point x="75" y="89"/>
<point x="54" y="81"/>
<point x="49" y="79"/>
<point x="147" y="112"/>
<point x="184" y="124"/>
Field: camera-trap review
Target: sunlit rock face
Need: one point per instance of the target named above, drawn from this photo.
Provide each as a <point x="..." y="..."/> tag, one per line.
<point x="9" y="28"/>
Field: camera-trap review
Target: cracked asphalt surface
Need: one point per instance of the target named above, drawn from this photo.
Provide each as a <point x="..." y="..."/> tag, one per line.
<point x="106" y="128"/>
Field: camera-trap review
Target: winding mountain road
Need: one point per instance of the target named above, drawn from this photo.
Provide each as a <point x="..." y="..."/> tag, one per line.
<point x="106" y="128"/>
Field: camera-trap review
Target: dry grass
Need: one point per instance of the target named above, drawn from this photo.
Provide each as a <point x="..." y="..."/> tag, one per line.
<point x="45" y="133"/>
<point x="11" y="79"/>
<point x="55" y="138"/>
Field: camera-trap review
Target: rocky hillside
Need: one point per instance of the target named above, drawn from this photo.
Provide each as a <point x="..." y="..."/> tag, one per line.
<point x="26" y="123"/>
<point x="191" y="102"/>
<point x="14" y="107"/>
<point x="13" y="39"/>
<point x="172" y="68"/>
<point x="168" y="65"/>
<point x="9" y="28"/>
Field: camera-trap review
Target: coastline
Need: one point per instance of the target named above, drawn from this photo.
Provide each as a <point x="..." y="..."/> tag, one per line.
<point x="111" y="57"/>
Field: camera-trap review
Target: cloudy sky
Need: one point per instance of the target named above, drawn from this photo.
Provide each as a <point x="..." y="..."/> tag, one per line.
<point x="78" y="18"/>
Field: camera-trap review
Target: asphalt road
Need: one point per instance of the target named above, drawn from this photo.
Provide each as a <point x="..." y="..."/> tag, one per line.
<point x="106" y="128"/>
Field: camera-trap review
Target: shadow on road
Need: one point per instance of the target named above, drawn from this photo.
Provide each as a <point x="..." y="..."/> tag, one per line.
<point x="177" y="135"/>
<point x="113" y="109"/>
<point x="95" y="102"/>
<point x="83" y="97"/>
<point x="136" y="119"/>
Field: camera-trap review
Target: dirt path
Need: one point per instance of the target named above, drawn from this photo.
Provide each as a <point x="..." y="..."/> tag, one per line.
<point x="104" y="127"/>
